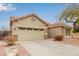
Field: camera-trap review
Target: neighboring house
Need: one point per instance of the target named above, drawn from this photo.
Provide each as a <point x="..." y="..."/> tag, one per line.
<point x="32" y="27"/>
<point x="0" y="35"/>
<point x="29" y="27"/>
<point x="4" y="33"/>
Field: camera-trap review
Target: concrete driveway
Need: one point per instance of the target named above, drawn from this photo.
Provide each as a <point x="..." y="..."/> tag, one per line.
<point x="50" y="48"/>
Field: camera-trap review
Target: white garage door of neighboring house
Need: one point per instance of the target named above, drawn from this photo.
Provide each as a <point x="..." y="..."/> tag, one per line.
<point x="30" y="34"/>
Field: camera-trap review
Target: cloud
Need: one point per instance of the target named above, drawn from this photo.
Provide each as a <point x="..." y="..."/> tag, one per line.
<point x="7" y="7"/>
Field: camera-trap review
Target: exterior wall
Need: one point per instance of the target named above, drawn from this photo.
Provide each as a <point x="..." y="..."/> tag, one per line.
<point x="75" y="35"/>
<point x="64" y="32"/>
<point x="67" y="34"/>
<point x="59" y="31"/>
<point x="55" y="31"/>
<point x="28" y="23"/>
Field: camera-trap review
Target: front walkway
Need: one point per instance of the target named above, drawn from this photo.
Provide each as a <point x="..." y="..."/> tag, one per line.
<point x="50" y="48"/>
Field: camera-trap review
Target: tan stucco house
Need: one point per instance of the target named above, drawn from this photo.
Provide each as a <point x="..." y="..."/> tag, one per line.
<point x="29" y="27"/>
<point x="32" y="27"/>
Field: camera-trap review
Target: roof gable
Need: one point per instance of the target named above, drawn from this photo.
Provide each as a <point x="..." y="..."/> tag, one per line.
<point x="15" y="19"/>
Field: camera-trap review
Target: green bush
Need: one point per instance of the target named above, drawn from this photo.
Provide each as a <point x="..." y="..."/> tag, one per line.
<point x="75" y="30"/>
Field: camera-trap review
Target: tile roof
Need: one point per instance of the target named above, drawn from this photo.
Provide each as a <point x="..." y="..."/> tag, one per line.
<point x="58" y="25"/>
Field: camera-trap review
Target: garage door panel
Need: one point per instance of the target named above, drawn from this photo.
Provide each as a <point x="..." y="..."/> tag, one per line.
<point x="30" y="35"/>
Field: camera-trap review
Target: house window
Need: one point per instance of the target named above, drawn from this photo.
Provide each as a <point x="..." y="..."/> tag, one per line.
<point x="38" y="29"/>
<point x="33" y="19"/>
<point x="14" y="29"/>
<point x="67" y="32"/>
<point x="35" y="29"/>
<point x="41" y="29"/>
<point x="21" y="28"/>
<point x="29" y="28"/>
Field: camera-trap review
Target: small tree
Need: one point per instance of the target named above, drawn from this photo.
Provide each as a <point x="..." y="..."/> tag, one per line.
<point x="76" y="26"/>
<point x="71" y="15"/>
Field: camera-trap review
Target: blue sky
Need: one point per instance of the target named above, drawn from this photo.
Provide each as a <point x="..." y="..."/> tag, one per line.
<point x="46" y="11"/>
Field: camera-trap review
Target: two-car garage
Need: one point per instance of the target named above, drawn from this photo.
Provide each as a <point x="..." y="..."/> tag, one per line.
<point x="29" y="27"/>
<point x="30" y="34"/>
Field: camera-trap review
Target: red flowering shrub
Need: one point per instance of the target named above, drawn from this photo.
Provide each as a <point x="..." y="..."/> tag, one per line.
<point x="58" y="37"/>
<point x="10" y="39"/>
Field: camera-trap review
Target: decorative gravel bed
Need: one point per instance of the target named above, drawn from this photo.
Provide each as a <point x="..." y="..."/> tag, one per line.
<point x="22" y="51"/>
<point x="71" y="42"/>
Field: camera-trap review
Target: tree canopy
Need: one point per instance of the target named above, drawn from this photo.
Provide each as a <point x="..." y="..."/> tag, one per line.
<point x="71" y="15"/>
